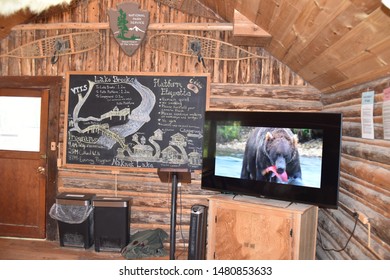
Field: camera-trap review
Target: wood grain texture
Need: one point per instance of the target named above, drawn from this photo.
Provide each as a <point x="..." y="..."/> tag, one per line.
<point x="364" y="187"/>
<point x="252" y="228"/>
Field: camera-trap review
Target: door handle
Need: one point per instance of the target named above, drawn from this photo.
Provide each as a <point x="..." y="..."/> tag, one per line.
<point x="41" y="170"/>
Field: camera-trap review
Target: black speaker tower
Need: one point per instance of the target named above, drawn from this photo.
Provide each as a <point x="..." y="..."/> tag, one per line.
<point x="198" y="233"/>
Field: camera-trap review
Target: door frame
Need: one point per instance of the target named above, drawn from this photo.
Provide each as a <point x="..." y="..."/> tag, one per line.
<point x="54" y="85"/>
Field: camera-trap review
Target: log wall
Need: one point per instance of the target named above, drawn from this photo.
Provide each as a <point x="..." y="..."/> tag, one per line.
<point x="364" y="182"/>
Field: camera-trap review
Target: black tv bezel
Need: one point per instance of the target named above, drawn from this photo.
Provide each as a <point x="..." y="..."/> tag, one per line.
<point x="325" y="197"/>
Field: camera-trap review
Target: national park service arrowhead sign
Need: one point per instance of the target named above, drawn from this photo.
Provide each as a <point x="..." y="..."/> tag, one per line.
<point x="129" y="24"/>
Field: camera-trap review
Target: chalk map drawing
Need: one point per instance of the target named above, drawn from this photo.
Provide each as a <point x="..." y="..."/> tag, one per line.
<point x="89" y="136"/>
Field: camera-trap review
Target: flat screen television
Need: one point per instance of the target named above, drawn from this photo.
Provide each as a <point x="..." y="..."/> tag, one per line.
<point x="287" y="156"/>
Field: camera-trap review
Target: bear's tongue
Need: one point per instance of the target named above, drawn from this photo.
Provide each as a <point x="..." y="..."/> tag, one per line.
<point x="283" y="177"/>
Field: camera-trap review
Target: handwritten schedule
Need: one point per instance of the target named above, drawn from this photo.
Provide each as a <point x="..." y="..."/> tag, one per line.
<point x="132" y="121"/>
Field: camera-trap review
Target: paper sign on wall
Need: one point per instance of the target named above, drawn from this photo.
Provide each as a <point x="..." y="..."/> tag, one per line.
<point x="386" y="114"/>
<point x="367" y="114"/>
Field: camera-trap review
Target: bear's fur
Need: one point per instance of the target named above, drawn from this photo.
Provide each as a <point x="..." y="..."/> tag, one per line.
<point x="272" y="147"/>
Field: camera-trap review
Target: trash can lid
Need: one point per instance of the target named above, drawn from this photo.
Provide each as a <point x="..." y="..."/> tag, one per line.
<point x="104" y="201"/>
<point x="74" y="199"/>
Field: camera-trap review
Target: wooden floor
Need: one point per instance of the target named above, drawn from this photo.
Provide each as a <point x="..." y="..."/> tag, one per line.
<point x="34" y="249"/>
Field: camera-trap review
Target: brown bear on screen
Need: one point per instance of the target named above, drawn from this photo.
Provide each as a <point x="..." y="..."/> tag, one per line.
<point x="271" y="155"/>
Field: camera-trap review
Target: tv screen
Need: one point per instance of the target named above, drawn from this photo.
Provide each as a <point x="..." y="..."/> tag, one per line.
<point x="281" y="155"/>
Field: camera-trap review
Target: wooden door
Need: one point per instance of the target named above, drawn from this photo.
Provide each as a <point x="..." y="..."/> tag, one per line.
<point x="23" y="162"/>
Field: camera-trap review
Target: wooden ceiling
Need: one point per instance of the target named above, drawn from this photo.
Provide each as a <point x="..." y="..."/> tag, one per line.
<point x="332" y="44"/>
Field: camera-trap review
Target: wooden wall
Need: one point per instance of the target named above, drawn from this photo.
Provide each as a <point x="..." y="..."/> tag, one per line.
<point x="256" y="84"/>
<point x="364" y="182"/>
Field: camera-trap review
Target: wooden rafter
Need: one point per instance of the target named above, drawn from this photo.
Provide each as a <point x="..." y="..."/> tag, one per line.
<point x="247" y="33"/>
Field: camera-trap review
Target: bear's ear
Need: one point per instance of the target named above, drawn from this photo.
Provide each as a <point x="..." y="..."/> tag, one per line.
<point x="295" y="140"/>
<point x="268" y="136"/>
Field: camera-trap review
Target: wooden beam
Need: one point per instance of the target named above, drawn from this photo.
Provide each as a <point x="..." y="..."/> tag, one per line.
<point x="247" y="33"/>
<point x="152" y="26"/>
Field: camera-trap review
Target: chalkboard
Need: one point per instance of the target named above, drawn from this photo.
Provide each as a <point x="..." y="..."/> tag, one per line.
<point x="137" y="120"/>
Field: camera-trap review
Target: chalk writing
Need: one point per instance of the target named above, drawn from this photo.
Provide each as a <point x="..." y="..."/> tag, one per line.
<point x="135" y="121"/>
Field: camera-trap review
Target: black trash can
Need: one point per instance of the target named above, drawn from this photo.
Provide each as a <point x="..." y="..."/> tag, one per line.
<point x="74" y="215"/>
<point x="111" y="223"/>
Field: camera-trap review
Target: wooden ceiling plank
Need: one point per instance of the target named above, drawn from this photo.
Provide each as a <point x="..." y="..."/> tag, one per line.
<point x="265" y="13"/>
<point x="282" y="25"/>
<point x="283" y="19"/>
<point x="311" y="25"/>
<point x="377" y="57"/>
<point x="367" y="6"/>
<point x="305" y="19"/>
<point x="333" y="76"/>
<point x="376" y="60"/>
<point x="369" y="61"/>
<point x="352" y="82"/>
<point x="316" y="33"/>
<point x="248" y="8"/>
<point x="381" y="51"/>
<point x="346" y="20"/>
<point x="358" y="40"/>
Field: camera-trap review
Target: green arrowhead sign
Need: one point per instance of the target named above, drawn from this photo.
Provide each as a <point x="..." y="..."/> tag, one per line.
<point x="129" y="25"/>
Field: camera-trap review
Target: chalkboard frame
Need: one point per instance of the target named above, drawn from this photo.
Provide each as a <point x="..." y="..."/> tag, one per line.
<point x="201" y="90"/>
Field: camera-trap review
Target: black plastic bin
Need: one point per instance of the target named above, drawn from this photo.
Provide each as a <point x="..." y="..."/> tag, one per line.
<point x="111" y="223"/>
<point x="70" y="208"/>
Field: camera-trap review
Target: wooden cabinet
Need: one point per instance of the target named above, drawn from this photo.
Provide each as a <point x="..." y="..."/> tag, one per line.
<point x="246" y="228"/>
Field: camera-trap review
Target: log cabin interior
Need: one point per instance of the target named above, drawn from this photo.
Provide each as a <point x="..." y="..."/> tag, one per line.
<point x="308" y="56"/>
